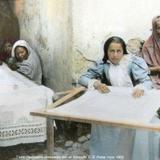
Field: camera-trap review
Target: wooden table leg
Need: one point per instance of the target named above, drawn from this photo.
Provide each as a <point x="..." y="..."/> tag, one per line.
<point x="50" y="137"/>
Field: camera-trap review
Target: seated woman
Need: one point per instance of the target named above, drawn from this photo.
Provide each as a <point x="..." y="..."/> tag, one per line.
<point x="5" y="52"/>
<point x="116" y="69"/>
<point x="151" y="52"/>
<point x="27" y="61"/>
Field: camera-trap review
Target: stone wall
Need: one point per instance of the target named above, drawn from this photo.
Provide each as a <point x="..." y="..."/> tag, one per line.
<point x="96" y="20"/>
<point x="68" y="33"/>
<point x="9" y="28"/>
<point x="46" y="25"/>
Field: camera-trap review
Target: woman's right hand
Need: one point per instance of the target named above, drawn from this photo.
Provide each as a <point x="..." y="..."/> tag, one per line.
<point x="103" y="88"/>
<point x="13" y="67"/>
<point x="155" y="69"/>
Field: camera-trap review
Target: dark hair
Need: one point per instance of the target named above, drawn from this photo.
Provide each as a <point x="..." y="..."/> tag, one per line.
<point x="108" y="42"/>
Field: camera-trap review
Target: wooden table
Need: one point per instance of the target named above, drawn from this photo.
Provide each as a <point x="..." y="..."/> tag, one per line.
<point x="60" y="114"/>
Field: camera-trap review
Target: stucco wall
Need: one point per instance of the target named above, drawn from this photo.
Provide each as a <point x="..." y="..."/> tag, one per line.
<point x="46" y="25"/>
<point x="95" y="20"/>
<point x="66" y="32"/>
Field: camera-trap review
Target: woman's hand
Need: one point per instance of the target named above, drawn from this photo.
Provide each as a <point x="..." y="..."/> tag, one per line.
<point x="101" y="87"/>
<point x="13" y="67"/>
<point x="138" y="93"/>
<point x="12" y="63"/>
<point x="155" y="69"/>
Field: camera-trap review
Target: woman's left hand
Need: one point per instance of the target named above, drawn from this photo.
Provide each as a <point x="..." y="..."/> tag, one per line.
<point x="138" y="93"/>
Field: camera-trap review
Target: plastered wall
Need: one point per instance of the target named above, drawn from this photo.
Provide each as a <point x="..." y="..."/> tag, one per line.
<point x="96" y="20"/>
<point x="67" y="32"/>
<point x="46" y="25"/>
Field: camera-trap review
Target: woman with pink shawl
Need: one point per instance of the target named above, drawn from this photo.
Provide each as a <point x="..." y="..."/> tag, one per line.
<point x="151" y="52"/>
<point x="147" y="143"/>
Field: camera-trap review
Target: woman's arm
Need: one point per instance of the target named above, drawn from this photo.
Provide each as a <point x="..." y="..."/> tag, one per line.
<point x="12" y="63"/>
<point x="95" y="72"/>
<point x="140" y="72"/>
<point x="26" y="69"/>
<point x="154" y="69"/>
<point x="92" y="78"/>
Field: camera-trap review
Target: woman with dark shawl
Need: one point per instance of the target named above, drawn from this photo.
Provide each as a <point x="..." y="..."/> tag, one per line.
<point x="5" y="51"/>
<point x="151" y="52"/>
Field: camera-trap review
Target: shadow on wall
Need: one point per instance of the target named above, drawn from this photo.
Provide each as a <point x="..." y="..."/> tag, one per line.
<point x="9" y="28"/>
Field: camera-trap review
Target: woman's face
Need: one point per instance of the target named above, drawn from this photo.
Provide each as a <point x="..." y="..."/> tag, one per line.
<point x="21" y="53"/>
<point x="115" y="52"/>
<point x="7" y="47"/>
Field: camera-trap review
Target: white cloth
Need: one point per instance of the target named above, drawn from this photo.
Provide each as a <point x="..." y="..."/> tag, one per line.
<point x="118" y="74"/>
<point x="113" y="106"/>
<point x="18" y="97"/>
<point x="117" y="106"/>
